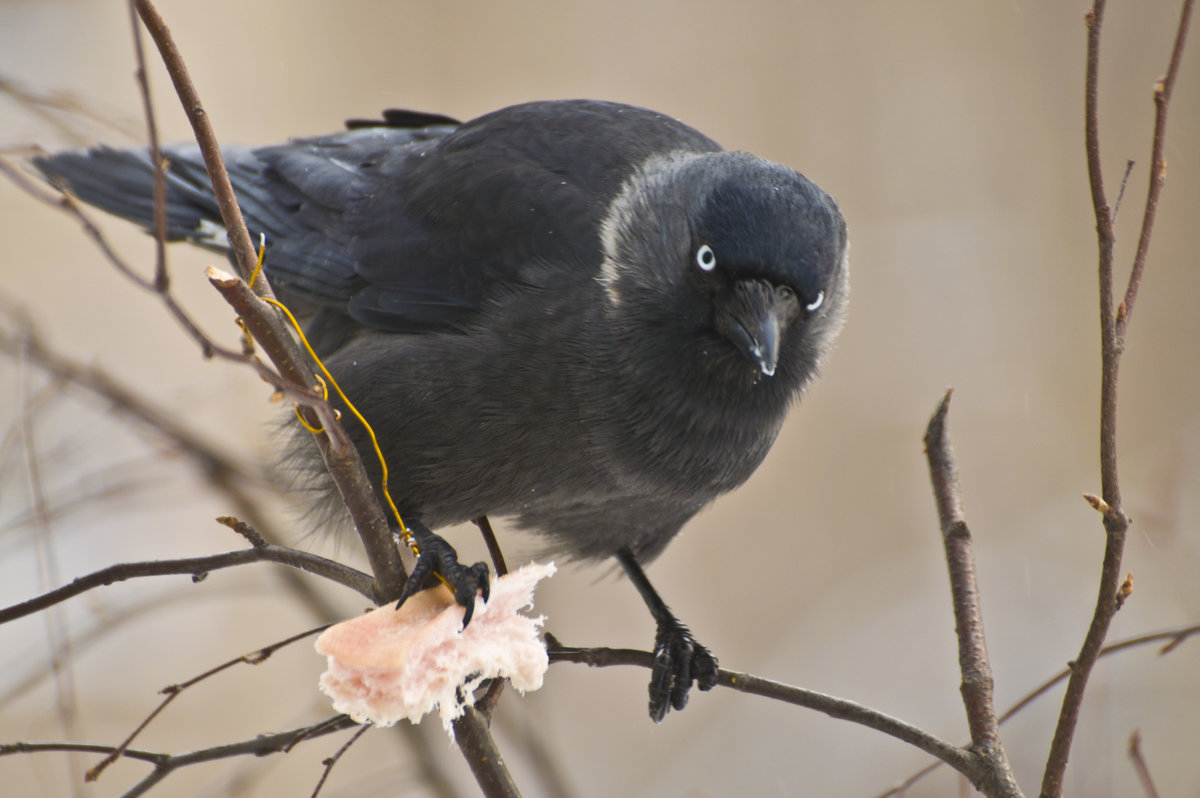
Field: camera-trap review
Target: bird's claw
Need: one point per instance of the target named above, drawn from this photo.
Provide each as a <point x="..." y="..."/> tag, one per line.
<point x="678" y="661"/>
<point x="438" y="556"/>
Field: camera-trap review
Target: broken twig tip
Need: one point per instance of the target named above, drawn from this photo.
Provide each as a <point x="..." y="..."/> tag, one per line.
<point x="220" y="277"/>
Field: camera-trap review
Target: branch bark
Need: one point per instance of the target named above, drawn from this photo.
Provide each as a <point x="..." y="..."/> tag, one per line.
<point x="265" y="324"/>
<point x="197" y="568"/>
<point x="1113" y="327"/>
<point x="960" y="759"/>
<point x="996" y="777"/>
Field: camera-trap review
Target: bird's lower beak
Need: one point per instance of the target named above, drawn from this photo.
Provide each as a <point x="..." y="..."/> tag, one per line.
<point x="755" y="319"/>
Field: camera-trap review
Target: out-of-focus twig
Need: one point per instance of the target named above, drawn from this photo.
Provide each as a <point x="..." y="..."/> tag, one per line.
<point x="1170" y="638"/>
<point x="1139" y="764"/>
<point x="172" y="691"/>
<point x="165" y="764"/>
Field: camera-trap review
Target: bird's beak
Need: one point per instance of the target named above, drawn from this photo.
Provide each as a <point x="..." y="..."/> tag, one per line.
<point x="755" y="318"/>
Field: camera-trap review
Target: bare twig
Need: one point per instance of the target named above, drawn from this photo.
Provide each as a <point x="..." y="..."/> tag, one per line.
<point x="265" y="324"/>
<point x="1139" y="764"/>
<point x="1171" y="638"/>
<point x="172" y="691"/>
<point x="162" y="280"/>
<point x="259" y="745"/>
<point x="225" y="473"/>
<point x="341" y="458"/>
<point x="198" y="568"/>
<point x="484" y="758"/>
<point x="956" y="537"/>
<point x="49" y="106"/>
<point x="345" y="467"/>
<point x="333" y="760"/>
<point x="66" y="202"/>
<point x="1158" y="167"/>
<point x="1121" y="192"/>
<point x="36" y="672"/>
<point x="165" y="764"/>
<point x="58" y="636"/>
<point x="85" y="748"/>
<point x="1113" y="327"/>
<point x="210" y="149"/>
<point x="961" y="760"/>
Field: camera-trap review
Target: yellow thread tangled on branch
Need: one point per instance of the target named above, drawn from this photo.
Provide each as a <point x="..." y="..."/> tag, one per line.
<point x="383" y="481"/>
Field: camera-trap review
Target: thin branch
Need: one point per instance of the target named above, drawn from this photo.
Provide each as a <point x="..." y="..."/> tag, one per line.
<point x="210" y="149"/>
<point x="44" y="106"/>
<point x="1113" y="326"/>
<point x="173" y="691"/>
<point x="341" y="458"/>
<point x="165" y="764"/>
<point x="260" y="745"/>
<point x="162" y="280"/>
<point x="83" y="748"/>
<point x="1139" y="764"/>
<point x="37" y="672"/>
<point x="479" y="749"/>
<point x="968" y="618"/>
<point x="1121" y="191"/>
<point x="66" y="202"/>
<point x="57" y="632"/>
<point x="265" y="324"/>
<point x="1158" y="167"/>
<point x="225" y="473"/>
<point x="198" y="568"/>
<point x="1171" y="637"/>
<point x="960" y="759"/>
<point x="333" y="760"/>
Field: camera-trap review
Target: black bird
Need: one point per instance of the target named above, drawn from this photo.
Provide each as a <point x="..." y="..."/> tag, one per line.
<point x="584" y="315"/>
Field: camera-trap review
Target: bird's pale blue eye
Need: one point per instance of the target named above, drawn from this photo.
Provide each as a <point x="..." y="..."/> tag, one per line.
<point x="706" y="259"/>
<point x="816" y="303"/>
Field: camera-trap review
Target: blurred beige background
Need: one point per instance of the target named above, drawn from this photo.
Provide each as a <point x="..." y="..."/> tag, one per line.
<point x="951" y="136"/>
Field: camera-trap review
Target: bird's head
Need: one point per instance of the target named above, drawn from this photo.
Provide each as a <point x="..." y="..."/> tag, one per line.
<point x="735" y="261"/>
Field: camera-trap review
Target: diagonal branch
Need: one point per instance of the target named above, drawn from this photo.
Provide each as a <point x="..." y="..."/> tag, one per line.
<point x="198" y="568"/>
<point x="960" y="759"/>
<point x="1158" y="168"/>
<point x="265" y="324"/>
<point x="173" y="691"/>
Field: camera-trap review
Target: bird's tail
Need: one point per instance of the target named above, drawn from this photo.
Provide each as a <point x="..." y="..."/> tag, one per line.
<point x="121" y="182"/>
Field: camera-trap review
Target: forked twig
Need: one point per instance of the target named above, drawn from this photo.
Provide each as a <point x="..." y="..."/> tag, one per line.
<point x="1113" y="327"/>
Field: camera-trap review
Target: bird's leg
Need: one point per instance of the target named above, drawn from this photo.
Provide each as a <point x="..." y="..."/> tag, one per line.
<point x="437" y="557"/>
<point x="678" y="659"/>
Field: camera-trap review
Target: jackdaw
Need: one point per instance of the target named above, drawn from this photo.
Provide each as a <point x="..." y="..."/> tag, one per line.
<point x="587" y="316"/>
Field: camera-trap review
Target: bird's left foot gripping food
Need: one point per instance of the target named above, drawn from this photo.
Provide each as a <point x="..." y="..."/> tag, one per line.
<point x="436" y="557"/>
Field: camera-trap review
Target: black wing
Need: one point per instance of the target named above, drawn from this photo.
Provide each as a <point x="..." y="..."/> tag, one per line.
<point x="410" y="223"/>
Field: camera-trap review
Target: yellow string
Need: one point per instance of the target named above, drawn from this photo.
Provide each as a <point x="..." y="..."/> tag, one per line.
<point x="262" y="254"/>
<point x="383" y="482"/>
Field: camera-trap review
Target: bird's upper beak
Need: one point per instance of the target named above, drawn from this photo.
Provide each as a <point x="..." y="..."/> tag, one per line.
<point x="754" y="318"/>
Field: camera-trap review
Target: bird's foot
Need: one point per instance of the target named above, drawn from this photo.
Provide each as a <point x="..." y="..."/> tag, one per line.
<point x="678" y="661"/>
<point x="436" y="556"/>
